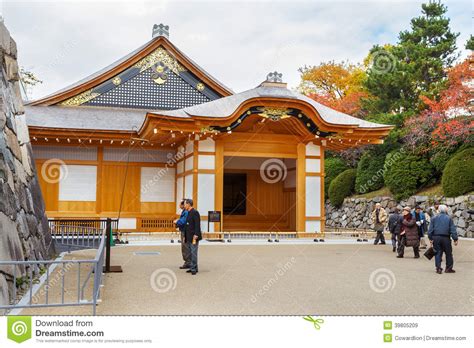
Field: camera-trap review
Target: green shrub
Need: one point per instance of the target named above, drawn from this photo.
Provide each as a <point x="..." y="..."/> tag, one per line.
<point x="333" y="166"/>
<point x="342" y="186"/>
<point x="370" y="172"/>
<point x="439" y="160"/>
<point x="458" y="174"/>
<point x="404" y="174"/>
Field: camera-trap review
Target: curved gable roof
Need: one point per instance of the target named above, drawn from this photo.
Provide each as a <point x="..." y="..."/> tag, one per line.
<point x="226" y="107"/>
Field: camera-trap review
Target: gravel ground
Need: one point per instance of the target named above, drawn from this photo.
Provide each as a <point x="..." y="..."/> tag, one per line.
<point x="281" y="279"/>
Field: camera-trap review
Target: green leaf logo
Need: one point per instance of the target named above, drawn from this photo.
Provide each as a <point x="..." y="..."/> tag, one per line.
<point x="19" y="328"/>
<point x="316" y="322"/>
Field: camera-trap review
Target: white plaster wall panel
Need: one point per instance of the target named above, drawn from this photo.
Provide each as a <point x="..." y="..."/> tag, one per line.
<point x="204" y="226"/>
<point x="77" y="183"/>
<point x="313" y="226"/>
<point x="313" y="165"/>
<point x="189" y="147"/>
<point x="189" y="163"/>
<point x="179" y="193"/>
<point x="206" y="162"/>
<point x="313" y="150"/>
<point x="157" y="184"/>
<point x="313" y="196"/>
<point x="117" y="154"/>
<point x="188" y="186"/>
<point x="180" y="167"/>
<point x="205" y="194"/>
<point x="65" y="152"/>
<point x="207" y="145"/>
<point x="127" y="223"/>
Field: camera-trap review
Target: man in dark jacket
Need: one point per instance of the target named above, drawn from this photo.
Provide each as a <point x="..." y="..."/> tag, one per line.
<point x="394" y="226"/>
<point x="180" y="223"/>
<point x="440" y="232"/>
<point x="192" y="234"/>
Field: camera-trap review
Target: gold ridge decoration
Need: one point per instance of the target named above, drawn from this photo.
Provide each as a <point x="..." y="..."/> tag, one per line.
<point x="116" y="80"/>
<point x="160" y="55"/>
<point x="79" y="99"/>
<point x="200" y="86"/>
<point x="208" y="129"/>
<point x="274" y="114"/>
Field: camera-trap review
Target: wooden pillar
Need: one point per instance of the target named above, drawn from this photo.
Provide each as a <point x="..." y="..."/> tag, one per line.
<point x="301" y="188"/>
<point x="195" y="173"/>
<point x="219" y="181"/>
<point x="99" y="184"/>
<point x="323" y="205"/>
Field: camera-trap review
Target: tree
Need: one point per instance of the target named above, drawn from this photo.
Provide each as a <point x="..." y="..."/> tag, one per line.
<point x="28" y="80"/>
<point x="336" y="85"/>
<point x="447" y="122"/>
<point x="405" y="174"/>
<point x="470" y="43"/>
<point x="398" y="75"/>
<point x="333" y="166"/>
<point x="341" y="187"/>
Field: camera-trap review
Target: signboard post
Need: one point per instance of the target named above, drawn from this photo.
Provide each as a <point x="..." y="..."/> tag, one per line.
<point x="214" y="216"/>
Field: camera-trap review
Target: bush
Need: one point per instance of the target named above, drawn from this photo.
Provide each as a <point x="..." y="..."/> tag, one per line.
<point x="342" y="186"/>
<point x="458" y="174"/>
<point x="370" y="172"/>
<point x="439" y="160"/>
<point x="406" y="173"/>
<point x="333" y="166"/>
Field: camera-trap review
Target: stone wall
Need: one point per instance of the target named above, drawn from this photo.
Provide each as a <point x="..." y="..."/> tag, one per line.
<point x="356" y="212"/>
<point x="23" y="224"/>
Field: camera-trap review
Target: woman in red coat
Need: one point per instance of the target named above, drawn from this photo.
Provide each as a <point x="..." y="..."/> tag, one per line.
<point x="409" y="234"/>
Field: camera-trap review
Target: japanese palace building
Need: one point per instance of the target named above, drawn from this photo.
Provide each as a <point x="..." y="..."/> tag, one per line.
<point x="154" y="127"/>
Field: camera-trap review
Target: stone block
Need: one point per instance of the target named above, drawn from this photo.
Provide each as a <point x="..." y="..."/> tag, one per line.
<point x="461" y="223"/>
<point x="13" y="74"/>
<point x="22" y="129"/>
<point x="13" y="48"/>
<point x="4" y="39"/>
<point x="12" y="143"/>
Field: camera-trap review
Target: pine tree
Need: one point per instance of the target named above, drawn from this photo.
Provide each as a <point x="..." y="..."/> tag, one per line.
<point x="416" y="66"/>
<point x="470" y="43"/>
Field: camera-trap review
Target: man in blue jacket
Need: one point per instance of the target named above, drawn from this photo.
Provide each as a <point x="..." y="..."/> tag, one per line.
<point x="180" y="223"/>
<point x="440" y="232"/>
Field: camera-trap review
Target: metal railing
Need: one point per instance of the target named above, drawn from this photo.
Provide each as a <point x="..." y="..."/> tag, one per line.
<point x="99" y="224"/>
<point x="42" y="283"/>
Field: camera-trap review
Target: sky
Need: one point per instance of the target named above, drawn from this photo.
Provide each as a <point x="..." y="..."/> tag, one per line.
<point x="237" y="42"/>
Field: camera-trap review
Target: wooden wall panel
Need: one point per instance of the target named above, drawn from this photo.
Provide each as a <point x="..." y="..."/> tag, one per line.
<point x="77" y="206"/>
<point x="112" y="183"/>
<point x="158" y="208"/>
<point x="49" y="188"/>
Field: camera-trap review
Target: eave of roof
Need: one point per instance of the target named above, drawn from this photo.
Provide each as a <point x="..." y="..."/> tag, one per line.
<point x="85" y="118"/>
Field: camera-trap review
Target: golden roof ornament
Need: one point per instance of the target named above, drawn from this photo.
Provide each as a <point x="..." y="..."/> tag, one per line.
<point x="274" y="114"/>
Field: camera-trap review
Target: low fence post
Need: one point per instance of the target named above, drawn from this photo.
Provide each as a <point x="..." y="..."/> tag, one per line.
<point x="108" y="228"/>
<point x="109" y="237"/>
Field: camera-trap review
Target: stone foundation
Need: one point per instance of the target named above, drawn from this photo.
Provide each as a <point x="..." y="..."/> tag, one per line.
<point x="23" y="224"/>
<point x="356" y="212"/>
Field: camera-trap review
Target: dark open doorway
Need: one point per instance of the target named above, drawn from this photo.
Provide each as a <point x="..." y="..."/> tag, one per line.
<point x="235" y="189"/>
